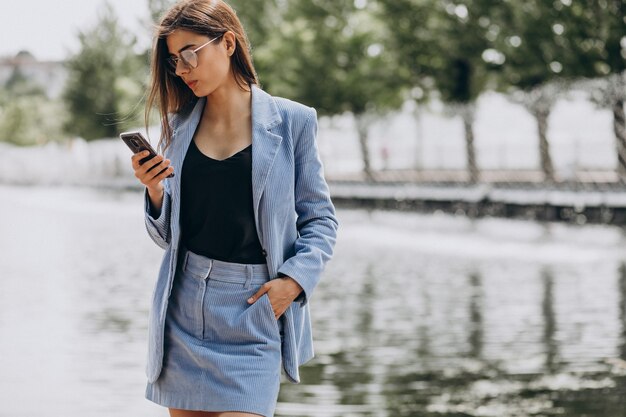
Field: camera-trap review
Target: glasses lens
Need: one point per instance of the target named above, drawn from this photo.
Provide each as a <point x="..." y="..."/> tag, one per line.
<point x="189" y="58"/>
<point x="172" y="63"/>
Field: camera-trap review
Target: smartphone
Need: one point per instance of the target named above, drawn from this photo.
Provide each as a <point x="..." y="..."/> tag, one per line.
<point x="137" y="143"/>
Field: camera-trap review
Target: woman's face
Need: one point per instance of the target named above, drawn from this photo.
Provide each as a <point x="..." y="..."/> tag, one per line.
<point x="213" y="60"/>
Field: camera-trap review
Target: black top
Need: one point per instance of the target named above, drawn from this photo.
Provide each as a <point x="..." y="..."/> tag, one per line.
<point x="216" y="215"/>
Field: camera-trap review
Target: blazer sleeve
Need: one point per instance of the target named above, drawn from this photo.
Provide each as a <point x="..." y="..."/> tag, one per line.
<point x="316" y="221"/>
<point x="158" y="222"/>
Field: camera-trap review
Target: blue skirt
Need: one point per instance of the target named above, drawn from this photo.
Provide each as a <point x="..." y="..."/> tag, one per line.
<point x="221" y="353"/>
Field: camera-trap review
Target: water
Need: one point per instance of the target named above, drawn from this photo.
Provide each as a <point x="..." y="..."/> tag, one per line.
<point x="417" y="315"/>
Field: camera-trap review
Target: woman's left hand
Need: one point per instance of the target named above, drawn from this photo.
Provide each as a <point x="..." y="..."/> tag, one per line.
<point x="281" y="293"/>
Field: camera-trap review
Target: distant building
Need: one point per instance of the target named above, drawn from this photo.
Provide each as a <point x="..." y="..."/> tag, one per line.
<point x="50" y="75"/>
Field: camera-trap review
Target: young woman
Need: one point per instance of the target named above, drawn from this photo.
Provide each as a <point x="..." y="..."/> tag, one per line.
<point x="246" y="222"/>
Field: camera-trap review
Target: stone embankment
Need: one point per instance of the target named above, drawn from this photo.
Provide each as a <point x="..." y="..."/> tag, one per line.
<point x="586" y="197"/>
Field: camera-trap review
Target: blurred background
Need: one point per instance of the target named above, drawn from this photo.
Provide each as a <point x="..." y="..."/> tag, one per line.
<point x="475" y="149"/>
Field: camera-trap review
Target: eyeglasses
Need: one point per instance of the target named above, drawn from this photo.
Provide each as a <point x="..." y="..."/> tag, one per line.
<point x="188" y="57"/>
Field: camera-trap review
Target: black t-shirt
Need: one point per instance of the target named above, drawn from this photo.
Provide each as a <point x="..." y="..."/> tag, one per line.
<point x="217" y="218"/>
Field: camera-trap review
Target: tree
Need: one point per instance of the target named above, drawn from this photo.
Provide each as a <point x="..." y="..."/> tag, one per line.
<point x="610" y="92"/>
<point x="22" y="100"/>
<point x="442" y="45"/>
<point x="601" y="47"/>
<point x="540" y="41"/>
<point x="17" y="116"/>
<point x="19" y="84"/>
<point x="106" y="81"/>
<point x="460" y="72"/>
<point x="528" y="44"/>
<point x="411" y="42"/>
<point x="261" y="19"/>
<point x="157" y="8"/>
<point x="333" y="55"/>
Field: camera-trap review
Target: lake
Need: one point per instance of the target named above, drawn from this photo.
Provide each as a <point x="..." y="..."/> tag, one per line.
<point x="417" y="315"/>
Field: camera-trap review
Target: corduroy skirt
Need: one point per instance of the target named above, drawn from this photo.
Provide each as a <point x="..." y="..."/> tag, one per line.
<point x="221" y="353"/>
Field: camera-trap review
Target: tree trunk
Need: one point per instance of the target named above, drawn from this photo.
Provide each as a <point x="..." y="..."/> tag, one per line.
<point x="472" y="166"/>
<point x="362" y="126"/>
<point x="544" y="147"/>
<point x="619" y="128"/>
<point x="419" y="138"/>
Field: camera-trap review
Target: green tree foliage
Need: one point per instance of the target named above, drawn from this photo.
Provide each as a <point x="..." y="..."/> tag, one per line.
<point x="549" y="44"/>
<point x="261" y="20"/>
<point x="27" y="115"/>
<point x="106" y="81"/>
<point x="331" y="55"/>
<point x="601" y="49"/>
<point x="459" y="68"/>
<point x="19" y="85"/>
<point x="596" y="34"/>
<point x="411" y="38"/>
<point x="157" y="8"/>
<point x="31" y="120"/>
<point x="536" y="56"/>
<point x="541" y="59"/>
<point x="445" y="48"/>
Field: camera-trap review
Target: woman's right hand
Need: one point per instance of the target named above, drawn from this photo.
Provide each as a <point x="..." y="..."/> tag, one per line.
<point x="152" y="178"/>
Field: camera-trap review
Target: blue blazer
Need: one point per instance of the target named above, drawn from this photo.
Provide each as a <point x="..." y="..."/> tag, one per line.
<point x="294" y="216"/>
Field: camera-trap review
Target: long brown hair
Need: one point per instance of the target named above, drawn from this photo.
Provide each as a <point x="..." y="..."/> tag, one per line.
<point x="168" y="91"/>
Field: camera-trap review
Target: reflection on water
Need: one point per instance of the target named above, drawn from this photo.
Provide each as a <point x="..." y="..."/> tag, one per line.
<point x="417" y="315"/>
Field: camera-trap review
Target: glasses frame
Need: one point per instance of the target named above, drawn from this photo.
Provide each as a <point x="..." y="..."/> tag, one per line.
<point x="189" y="57"/>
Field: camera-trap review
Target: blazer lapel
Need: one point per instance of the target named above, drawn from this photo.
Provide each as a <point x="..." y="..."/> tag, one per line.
<point x="265" y="143"/>
<point x="180" y="145"/>
<point x="184" y="134"/>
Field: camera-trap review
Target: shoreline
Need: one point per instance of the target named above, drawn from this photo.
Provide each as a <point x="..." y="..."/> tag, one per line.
<point x="569" y="202"/>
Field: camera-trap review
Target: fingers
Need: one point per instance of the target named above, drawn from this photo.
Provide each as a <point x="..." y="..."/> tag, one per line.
<point x="147" y="165"/>
<point x="160" y="172"/>
<point x="152" y="171"/>
<point x="264" y="288"/>
<point x="279" y="298"/>
<point x="137" y="157"/>
<point x="279" y="306"/>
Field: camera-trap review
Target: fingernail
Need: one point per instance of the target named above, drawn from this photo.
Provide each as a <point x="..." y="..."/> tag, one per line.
<point x="250" y="299"/>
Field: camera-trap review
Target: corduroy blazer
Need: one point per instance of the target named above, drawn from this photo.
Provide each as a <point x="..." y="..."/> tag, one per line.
<point x="294" y="216"/>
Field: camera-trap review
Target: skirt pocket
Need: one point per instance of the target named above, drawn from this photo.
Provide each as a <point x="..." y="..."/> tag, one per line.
<point x="271" y="318"/>
<point x="228" y="318"/>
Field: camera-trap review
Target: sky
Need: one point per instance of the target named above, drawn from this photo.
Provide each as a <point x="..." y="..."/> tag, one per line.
<point x="48" y="29"/>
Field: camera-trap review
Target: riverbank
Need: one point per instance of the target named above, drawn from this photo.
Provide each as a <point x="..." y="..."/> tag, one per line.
<point x="576" y="196"/>
<point x="570" y="202"/>
<point x="584" y="197"/>
<point x="596" y="198"/>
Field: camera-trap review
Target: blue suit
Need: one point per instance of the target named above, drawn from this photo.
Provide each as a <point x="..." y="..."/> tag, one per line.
<point x="294" y="216"/>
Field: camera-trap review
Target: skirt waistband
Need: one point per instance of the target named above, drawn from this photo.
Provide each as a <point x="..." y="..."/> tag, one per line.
<point x="203" y="267"/>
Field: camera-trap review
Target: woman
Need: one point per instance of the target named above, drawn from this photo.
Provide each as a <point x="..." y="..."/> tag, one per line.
<point x="246" y="222"/>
